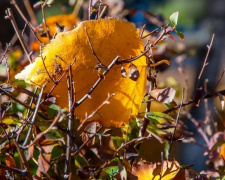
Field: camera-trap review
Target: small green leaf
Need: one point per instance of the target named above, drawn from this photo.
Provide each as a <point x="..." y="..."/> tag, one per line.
<point x="131" y="131"/>
<point x="174" y="18"/>
<point x="49" y="2"/>
<point x="180" y="34"/>
<point x="117" y="141"/>
<point x="112" y="171"/>
<point x="53" y="134"/>
<point x="52" y="111"/>
<point x="37" y="4"/>
<point x="160" y="119"/>
<point x="80" y="161"/>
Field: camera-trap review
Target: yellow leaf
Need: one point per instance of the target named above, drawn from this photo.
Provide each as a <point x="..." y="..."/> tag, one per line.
<point x="109" y="38"/>
<point x="156" y="171"/>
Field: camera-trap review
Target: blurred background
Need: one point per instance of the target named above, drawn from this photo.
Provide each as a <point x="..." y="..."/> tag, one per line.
<point x="198" y="20"/>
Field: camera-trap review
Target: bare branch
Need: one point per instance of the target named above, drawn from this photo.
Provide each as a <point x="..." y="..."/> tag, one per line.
<point x="204" y="64"/>
<point x="11" y="17"/>
<point x="33" y="117"/>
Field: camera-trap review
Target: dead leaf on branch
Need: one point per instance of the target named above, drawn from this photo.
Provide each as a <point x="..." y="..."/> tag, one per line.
<point x="165" y="95"/>
<point x="10" y="161"/>
<point x="45" y="155"/>
<point x="149" y="171"/>
<point x="109" y="38"/>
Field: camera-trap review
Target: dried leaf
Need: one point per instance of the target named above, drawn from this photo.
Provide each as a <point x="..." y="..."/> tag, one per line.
<point x="165" y="95"/>
<point x="149" y="171"/>
<point x="122" y="40"/>
<point x="44" y="162"/>
<point x="10" y="161"/>
<point x="89" y="130"/>
<point x="133" y="72"/>
<point x="45" y="155"/>
<point x="30" y="152"/>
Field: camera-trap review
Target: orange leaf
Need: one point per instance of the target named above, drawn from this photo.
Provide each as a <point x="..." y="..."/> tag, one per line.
<point x="10" y="161"/>
<point x="156" y="171"/>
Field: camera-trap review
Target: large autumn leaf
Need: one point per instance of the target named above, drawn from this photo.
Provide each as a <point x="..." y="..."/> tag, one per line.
<point x="109" y="38"/>
<point x="163" y="171"/>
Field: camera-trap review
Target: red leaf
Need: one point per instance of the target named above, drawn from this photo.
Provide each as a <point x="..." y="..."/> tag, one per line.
<point x="171" y="37"/>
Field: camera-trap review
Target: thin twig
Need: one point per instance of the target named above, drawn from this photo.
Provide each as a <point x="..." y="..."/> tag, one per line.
<point x="78" y="150"/>
<point x="175" y="128"/>
<point x="77" y="7"/>
<point x="44" y="21"/>
<point x="11" y="17"/>
<point x="149" y="34"/>
<point x="217" y="83"/>
<point x="21" y="13"/>
<point x="58" y="118"/>
<point x="90" y="9"/>
<point x="5" y="52"/>
<point x="95" y="111"/>
<point x="121" y="147"/>
<point x="43" y="60"/>
<point x="23" y="161"/>
<point x="142" y="30"/>
<point x="105" y="6"/>
<point x="204" y="64"/>
<point x="21" y="103"/>
<point x="199" y="129"/>
<point x="30" y="12"/>
<point x="33" y="118"/>
<point x="18" y="171"/>
<point x="122" y="61"/>
<point x="210" y="95"/>
<point x="88" y="140"/>
<point x="92" y="50"/>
